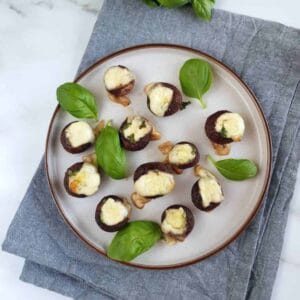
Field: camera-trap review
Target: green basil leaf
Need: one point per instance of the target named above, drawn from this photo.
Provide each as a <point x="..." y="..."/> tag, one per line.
<point x="235" y="169"/>
<point x="77" y="100"/>
<point x="173" y="3"/>
<point x="134" y="239"/>
<point x="203" y="8"/>
<point x="152" y="3"/>
<point x="196" y="78"/>
<point x="110" y="155"/>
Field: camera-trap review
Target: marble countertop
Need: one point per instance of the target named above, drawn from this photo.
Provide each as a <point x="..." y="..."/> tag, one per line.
<point x="41" y="44"/>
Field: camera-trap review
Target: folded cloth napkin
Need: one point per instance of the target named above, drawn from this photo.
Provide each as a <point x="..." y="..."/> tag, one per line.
<point x="267" y="56"/>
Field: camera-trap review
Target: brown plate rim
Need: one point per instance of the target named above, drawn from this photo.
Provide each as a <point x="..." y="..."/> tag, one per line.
<point x="266" y="181"/>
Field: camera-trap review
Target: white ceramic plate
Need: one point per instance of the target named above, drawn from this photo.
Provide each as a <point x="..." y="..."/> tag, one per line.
<point x="213" y="230"/>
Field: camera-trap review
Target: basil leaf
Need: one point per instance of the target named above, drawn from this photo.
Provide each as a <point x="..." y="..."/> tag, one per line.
<point x="203" y="8"/>
<point x="77" y="100"/>
<point x="173" y="3"/>
<point x="196" y="78"/>
<point x="134" y="239"/>
<point x="151" y="3"/>
<point x="235" y="169"/>
<point x="110" y="156"/>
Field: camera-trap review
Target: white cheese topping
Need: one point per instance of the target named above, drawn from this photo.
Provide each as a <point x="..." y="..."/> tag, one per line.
<point x="79" y="133"/>
<point x="231" y="124"/>
<point x="116" y="77"/>
<point x="86" y="181"/>
<point x="160" y="98"/>
<point x="154" y="183"/>
<point x="137" y="128"/>
<point x="113" y="212"/>
<point x="209" y="188"/>
<point x="175" y="221"/>
<point x="181" y="154"/>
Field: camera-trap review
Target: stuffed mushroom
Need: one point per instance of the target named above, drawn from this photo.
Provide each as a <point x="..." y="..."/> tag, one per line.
<point x="112" y="213"/>
<point x="177" y="221"/>
<point x="77" y="137"/>
<point x="152" y="180"/>
<point x="119" y="80"/>
<point x="163" y="99"/>
<point x="82" y="180"/>
<point x="206" y="193"/>
<point x="223" y="128"/>
<point x="135" y="133"/>
<point x="182" y="155"/>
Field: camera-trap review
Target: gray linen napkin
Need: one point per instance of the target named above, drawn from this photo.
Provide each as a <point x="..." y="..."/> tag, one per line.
<point x="267" y="56"/>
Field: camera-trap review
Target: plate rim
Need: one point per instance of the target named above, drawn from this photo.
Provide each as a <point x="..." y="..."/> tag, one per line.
<point x="261" y="197"/>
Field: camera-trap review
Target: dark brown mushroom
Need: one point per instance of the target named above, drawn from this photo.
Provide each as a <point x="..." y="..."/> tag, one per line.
<point x="177" y="221"/>
<point x="77" y="137"/>
<point x="135" y="133"/>
<point x="184" y="155"/>
<point x="163" y="99"/>
<point x="153" y="180"/>
<point x="224" y="127"/>
<point x="119" y="80"/>
<point x="82" y="179"/>
<point x="214" y="194"/>
<point x="210" y="129"/>
<point x="112" y="213"/>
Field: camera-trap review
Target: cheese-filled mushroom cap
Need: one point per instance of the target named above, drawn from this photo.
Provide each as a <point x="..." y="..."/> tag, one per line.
<point x="206" y="192"/>
<point x="163" y="99"/>
<point x="184" y="155"/>
<point x="224" y="127"/>
<point x="153" y="180"/>
<point x="135" y="133"/>
<point x="177" y="222"/>
<point x="119" y="80"/>
<point x="112" y="213"/>
<point x="77" y="137"/>
<point x="82" y="180"/>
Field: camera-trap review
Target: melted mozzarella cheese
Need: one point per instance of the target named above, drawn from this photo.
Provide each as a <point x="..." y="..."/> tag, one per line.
<point x="79" y="133"/>
<point x="86" y="181"/>
<point x="137" y="128"/>
<point x="113" y="212"/>
<point x="209" y="188"/>
<point x="181" y="154"/>
<point x="232" y="124"/>
<point x="175" y="221"/>
<point x="160" y="98"/>
<point x="154" y="183"/>
<point x="116" y="77"/>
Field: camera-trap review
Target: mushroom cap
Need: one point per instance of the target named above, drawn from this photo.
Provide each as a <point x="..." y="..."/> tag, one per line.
<point x="197" y="199"/>
<point x="176" y="102"/>
<point x="210" y="129"/>
<point x="67" y="145"/>
<point x="115" y="227"/>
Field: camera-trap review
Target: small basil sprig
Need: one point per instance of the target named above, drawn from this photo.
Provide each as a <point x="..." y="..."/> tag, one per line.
<point x="110" y="155"/>
<point x="235" y="169"/>
<point x="202" y="8"/>
<point x="196" y="78"/>
<point x="77" y="100"/>
<point x="134" y="239"/>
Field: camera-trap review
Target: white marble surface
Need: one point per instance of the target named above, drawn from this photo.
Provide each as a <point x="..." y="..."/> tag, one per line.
<point x="41" y="44"/>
